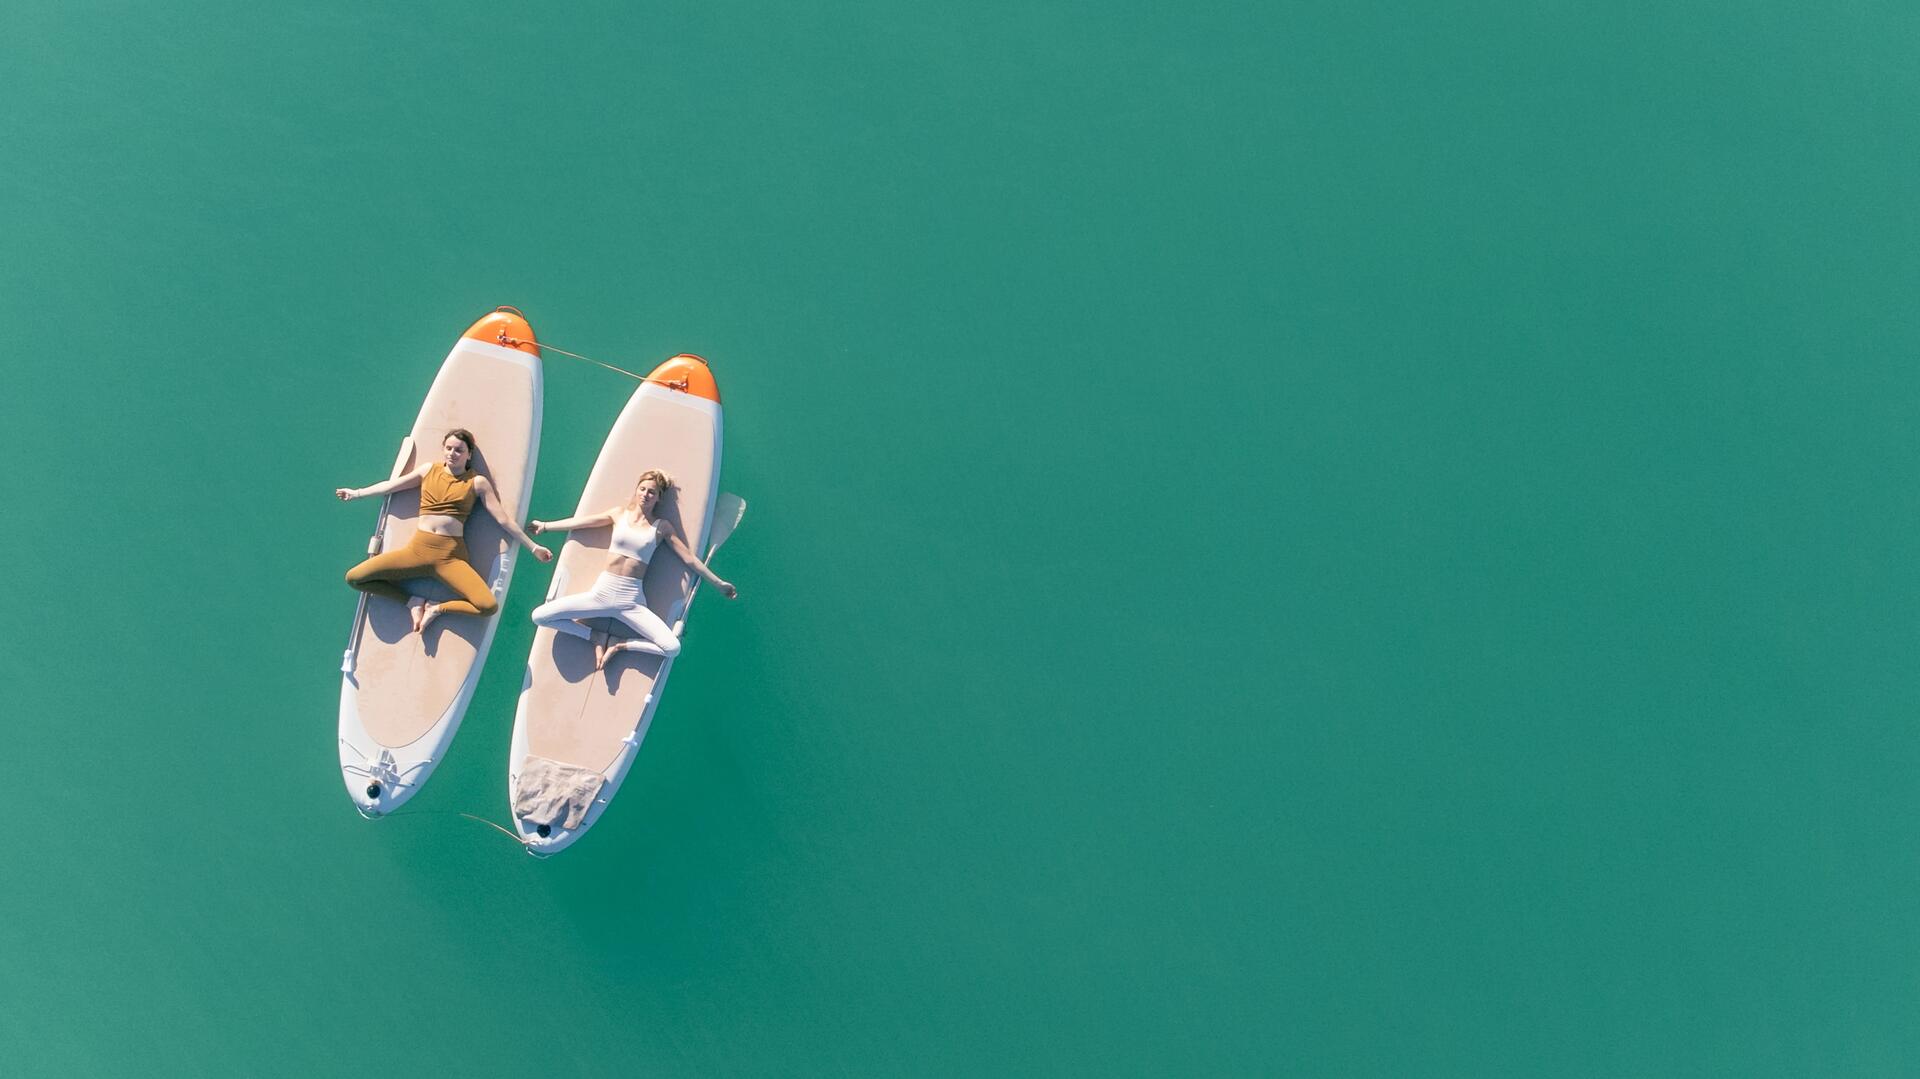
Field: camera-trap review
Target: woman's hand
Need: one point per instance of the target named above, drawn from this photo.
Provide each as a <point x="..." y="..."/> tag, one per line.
<point x="542" y="554"/>
<point x="534" y="528"/>
<point x="728" y="590"/>
<point x="345" y="494"/>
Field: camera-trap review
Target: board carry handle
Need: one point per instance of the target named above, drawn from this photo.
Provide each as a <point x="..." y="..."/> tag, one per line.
<point x="401" y="463"/>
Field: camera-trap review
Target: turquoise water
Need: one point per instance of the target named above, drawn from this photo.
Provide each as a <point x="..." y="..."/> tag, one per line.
<point x="1330" y="541"/>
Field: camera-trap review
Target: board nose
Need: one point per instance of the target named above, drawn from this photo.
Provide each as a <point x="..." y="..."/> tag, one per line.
<point x="507" y="327"/>
<point x="689" y="374"/>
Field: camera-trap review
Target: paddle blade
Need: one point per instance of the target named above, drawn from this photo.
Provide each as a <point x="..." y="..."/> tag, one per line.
<point x="727" y="511"/>
<point x="405" y="460"/>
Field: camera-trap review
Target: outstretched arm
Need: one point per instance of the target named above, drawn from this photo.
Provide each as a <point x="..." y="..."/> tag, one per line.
<point x="686" y="554"/>
<point x="567" y="524"/>
<point x="491" y="499"/>
<point x="398" y="483"/>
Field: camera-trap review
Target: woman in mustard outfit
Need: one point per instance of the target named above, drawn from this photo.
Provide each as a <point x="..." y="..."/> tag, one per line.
<point x="448" y="489"/>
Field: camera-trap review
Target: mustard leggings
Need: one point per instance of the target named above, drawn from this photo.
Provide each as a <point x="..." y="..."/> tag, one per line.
<point x="426" y="555"/>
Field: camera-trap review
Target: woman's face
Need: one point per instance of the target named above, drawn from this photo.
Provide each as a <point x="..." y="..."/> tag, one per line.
<point x="646" y="495"/>
<point x="456" y="454"/>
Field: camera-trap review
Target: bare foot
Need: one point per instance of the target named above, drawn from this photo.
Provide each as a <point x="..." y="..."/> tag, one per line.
<point x="432" y="611"/>
<point x="599" y="649"/>
<point x="415" y="608"/>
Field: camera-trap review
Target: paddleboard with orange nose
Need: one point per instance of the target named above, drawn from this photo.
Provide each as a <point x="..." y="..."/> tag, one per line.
<point x="403" y="694"/>
<point x="579" y="726"/>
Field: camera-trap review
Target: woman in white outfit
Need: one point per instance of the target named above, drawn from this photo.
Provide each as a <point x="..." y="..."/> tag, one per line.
<point x="617" y="592"/>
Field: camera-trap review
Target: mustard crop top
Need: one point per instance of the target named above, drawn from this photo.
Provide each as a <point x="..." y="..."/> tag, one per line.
<point x="442" y="494"/>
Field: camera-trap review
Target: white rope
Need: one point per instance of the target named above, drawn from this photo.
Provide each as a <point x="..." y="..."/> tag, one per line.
<point x="544" y="347"/>
<point x="514" y="342"/>
<point x="459" y="813"/>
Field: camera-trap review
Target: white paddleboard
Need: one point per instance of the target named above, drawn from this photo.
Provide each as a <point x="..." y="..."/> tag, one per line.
<point x="402" y="694"/>
<point x="595" y="720"/>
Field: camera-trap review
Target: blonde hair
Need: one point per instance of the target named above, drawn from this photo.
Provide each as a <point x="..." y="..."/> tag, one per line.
<point x="660" y="479"/>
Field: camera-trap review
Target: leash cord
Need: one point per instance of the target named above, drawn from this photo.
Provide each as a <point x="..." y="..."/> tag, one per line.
<point x="442" y="812"/>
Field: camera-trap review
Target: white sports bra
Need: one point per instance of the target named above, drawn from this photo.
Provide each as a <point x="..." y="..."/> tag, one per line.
<point x="633" y="542"/>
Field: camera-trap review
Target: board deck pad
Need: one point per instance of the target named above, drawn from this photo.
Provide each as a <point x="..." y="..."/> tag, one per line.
<point x="406" y="681"/>
<point x="574" y="714"/>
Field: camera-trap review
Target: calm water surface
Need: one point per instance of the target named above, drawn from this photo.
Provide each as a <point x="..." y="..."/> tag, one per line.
<point x="1284" y="539"/>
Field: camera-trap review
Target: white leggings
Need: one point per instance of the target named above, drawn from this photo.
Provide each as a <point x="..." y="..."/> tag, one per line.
<point x="616" y="597"/>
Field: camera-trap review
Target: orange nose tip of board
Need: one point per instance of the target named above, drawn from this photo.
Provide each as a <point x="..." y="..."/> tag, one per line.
<point x="689" y="374"/>
<point x="505" y="326"/>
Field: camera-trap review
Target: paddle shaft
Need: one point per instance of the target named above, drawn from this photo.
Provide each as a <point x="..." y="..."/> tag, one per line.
<point x="400" y="464"/>
<point x="736" y="515"/>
